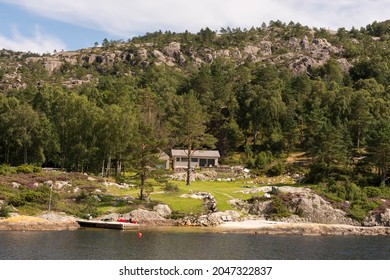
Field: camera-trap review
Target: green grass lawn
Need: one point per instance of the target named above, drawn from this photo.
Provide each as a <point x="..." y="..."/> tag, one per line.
<point x="222" y="191"/>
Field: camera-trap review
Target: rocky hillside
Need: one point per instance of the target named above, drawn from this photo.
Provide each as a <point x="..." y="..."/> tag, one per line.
<point x="298" y="48"/>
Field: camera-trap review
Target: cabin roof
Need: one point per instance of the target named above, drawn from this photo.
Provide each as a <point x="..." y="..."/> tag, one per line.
<point x="197" y="153"/>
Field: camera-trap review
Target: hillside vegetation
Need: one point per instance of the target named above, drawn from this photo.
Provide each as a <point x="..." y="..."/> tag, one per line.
<point x="258" y="96"/>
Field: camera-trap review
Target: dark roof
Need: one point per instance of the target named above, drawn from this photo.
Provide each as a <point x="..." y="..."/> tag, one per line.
<point x="197" y="153"/>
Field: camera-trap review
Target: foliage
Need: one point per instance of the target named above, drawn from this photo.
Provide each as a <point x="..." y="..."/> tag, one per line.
<point x="276" y="169"/>
<point x="4" y="210"/>
<point x="279" y="209"/>
<point x="372" y="191"/>
<point x="39" y="196"/>
<point x="171" y="187"/>
<point x="6" y="169"/>
<point x="26" y="169"/>
<point x="126" y="112"/>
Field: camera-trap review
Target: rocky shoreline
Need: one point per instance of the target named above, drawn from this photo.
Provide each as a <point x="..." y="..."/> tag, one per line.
<point x="281" y="228"/>
<point x="60" y="222"/>
<point x="45" y="222"/>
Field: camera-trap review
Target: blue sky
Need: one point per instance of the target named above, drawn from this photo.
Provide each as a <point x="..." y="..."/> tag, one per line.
<point x="47" y="25"/>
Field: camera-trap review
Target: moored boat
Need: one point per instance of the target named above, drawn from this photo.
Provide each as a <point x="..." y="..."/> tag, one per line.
<point x="110" y="225"/>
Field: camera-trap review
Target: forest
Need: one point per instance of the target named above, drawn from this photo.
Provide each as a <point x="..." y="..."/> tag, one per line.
<point x="255" y="112"/>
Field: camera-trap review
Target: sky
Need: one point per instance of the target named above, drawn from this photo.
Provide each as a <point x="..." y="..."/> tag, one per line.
<point x="46" y="25"/>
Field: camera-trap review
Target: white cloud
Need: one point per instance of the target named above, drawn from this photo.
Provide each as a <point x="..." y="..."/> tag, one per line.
<point x="39" y="43"/>
<point x="130" y="17"/>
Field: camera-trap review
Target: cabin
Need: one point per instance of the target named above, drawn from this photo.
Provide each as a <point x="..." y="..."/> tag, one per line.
<point x="199" y="158"/>
<point x="163" y="162"/>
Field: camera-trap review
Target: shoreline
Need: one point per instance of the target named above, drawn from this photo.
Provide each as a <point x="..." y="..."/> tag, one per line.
<point x="247" y="227"/>
<point x="282" y="228"/>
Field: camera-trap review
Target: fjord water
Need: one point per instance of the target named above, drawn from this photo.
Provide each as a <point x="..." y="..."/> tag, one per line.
<point x="93" y="244"/>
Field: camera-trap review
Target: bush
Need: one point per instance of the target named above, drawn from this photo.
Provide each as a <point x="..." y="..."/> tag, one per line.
<point x="338" y="190"/>
<point x="26" y="169"/>
<point x="170" y="187"/>
<point x="4" y="210"/>
<point x="175" y="215"/>
<point x="279" y="209"/>
<point x="276" y="170"/>
<point x="372" y="191"/>
<point x="39" y="196"/>
<point x="357" y="213"/>
<point x="6" y="169"/>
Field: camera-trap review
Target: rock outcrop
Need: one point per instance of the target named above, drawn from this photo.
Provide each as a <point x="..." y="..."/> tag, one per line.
<point x="300" y="54"/>
<point x="259" y="227"/>
<point x="211" y="219"/>
<point x="305" y="205"/>
<point x="48" y="221"/>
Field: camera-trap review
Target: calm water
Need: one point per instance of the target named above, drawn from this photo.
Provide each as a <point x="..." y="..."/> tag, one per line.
<point x="96" y="244"/>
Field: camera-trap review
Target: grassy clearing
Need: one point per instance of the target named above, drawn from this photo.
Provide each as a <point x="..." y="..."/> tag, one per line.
<point x="222" y="191"/>
<point x="90" y="195"/>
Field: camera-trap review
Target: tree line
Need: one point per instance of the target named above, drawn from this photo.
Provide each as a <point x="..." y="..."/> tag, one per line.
<point x="260" y="111"/>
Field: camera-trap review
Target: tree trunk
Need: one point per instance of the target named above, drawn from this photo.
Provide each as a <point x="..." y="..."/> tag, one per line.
<point x="108" y="169"/>
<point x="188" y="183"/>
<point x="25" y="154"/>
<point x="119" y="167"/>
<point x="141" y="196"/>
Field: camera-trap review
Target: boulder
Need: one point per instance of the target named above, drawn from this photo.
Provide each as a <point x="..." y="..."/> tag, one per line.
<point x="172" y="50"/>
<point x="378" y="218"/>
<point x="147" y="218"/>
<point x="310" y="206"/>
<point x="163" y="210"/>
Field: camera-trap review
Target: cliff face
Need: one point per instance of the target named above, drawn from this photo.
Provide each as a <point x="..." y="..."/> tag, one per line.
<point x="306" y="207"/>
<point x="300" y="54"/>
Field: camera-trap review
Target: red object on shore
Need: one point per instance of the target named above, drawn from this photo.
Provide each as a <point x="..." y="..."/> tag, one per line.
<point x="134" y="222"/>
<point x="139" y="235"/>
<point x="121" y="220"/>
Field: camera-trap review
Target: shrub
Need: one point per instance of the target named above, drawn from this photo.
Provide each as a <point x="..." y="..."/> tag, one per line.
<point x="276" y="170"/>
<point x="357" y="212"/>
<point x="279" y="209"/>
<point x="39" y="195"/>
<point x="170" y="187"/>
<point x="25" y="169"/>
<point x="175" y="215"/>
<point x="4" y="210"/>
<point x="16" y="200"/>
<point x="6" y="169"/>
<point x="353" y="191"/>
<point x="372" y="191"/>
<point x="338" y="190"/>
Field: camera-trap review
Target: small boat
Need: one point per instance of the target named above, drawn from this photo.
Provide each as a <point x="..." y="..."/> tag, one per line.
<point x="111" y="225"/>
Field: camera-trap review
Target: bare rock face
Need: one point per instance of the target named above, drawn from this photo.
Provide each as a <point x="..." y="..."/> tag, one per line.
<point x="311" y="207"/>
<point x="173" y="54"/>
<point x="173" y="49"/>
<point x="142" y="54"/>
<point x="315" y="209"/>
<point x="148" y="218"/>
<point x="48" y="221"/>
<point x="211" y="219"/>
<point x="266" y="48"/>
<point x="163" y="210"/>
<point x="381" y="218"/>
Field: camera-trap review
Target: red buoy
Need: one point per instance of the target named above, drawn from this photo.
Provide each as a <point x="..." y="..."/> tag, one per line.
<point x="139" y="235"/>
